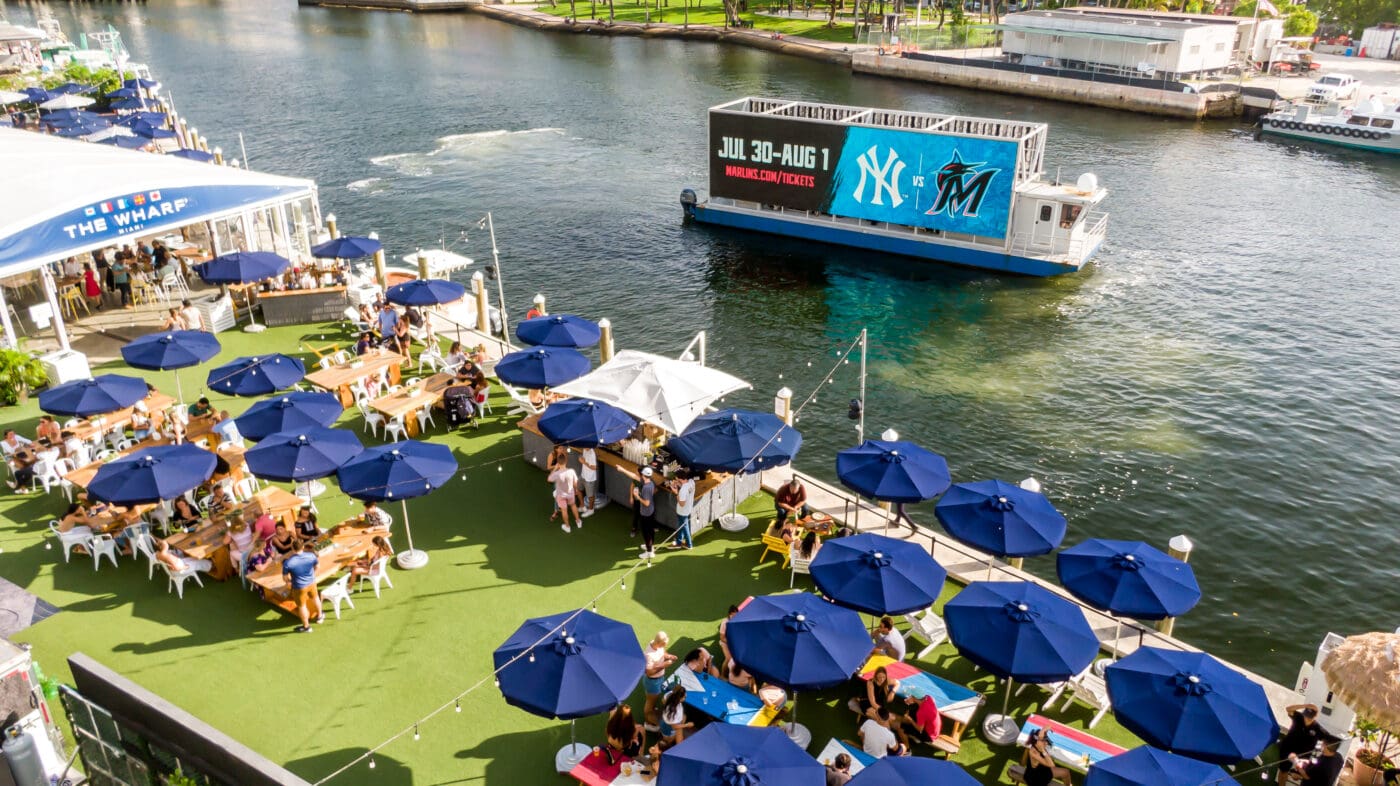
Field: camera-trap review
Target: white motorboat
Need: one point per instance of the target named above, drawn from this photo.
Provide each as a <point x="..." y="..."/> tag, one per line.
<point x="1374" y="124"/>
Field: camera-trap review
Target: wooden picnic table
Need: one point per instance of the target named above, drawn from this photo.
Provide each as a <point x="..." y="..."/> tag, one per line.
<point x="113" y="421"/>
<point x="350" y="542"/>
<point x="338" y="379"/>
<point x="405" y="402"/>
<point x="956" y="703"/>
<point x="82" y="476"/>
<point x="206" y="542"/>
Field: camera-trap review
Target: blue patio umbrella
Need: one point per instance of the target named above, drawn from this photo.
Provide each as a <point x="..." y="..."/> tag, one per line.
<point x="398" y="470"/>
<point x="172" y="349"/>
<point x="568" y="666"/>
<point x="257" y="375"/>
<point x="877" y="575"/>
<point x="739" y="441"/>
<point x="559" y="330"/>
<point x="242" y="267"/>
<point x="73" y="88"/>
<point x="151" y="131"/>
<point x="542" y="367"/>
<point x="193" y="155"/>
<point x="297" y="456"/>
<point x="124" y="92"/>
<point x="347" y="247"/>
<point x="38" y="95"/>
<point x="157" y="119"/>
<point x="81" y="129"/>
<point x="1192" y="704"/>
<point x="1020" y="631"/>
<point x="97" y="396"/>
<point x="583" y="422"/>
<point x="1001" y="519"/>
<point x="66" y="117"/>
<point x="290" y="412"/>
<point x="913" y="771"/>
<point x="893" y="471"/>
<point x="1149" y="766"/>
<point x="726" y="755"/>
<point x="138" y="82"/>
<point x="1128" y="577"/>
<point x="425" y="292"/>
<point x="125" y="142"/>
<point x="128" y="103"/>
<point x="152" y="474"/>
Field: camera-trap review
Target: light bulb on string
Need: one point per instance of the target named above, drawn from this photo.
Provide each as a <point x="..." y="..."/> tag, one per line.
<point x="415" y="731"/>
<point x="532" y="656"/>
<point x="458" y="707"/>
<point x="624" y="584"/>
<point x="371" y="761"/>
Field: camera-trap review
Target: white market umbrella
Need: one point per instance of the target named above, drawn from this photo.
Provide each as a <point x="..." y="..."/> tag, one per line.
<point x="67" y="101"/>
<point x="109" y="132"/>
<point x="9" y="97"/>
<point x="659" y="390"/>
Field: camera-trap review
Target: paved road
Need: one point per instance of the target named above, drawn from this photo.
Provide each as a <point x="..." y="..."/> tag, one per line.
<point x="1378" y="77"/>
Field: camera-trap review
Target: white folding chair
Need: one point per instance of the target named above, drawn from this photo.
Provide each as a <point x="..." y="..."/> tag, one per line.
<point x="145" y="545"/>
<point x="378" y="574"/>
<point x="244" y="489"/>
<point x="46" y="475"/>
<point x="799" y="564"/>
<point x="342" y="356"/>
<point x="337" y="593"/>
<point x="373" y="420"/>
<point x="102" y="546"/>
<point x="425" y="418"/>
<point x="106" y="454"/>
<point x="178" y="577"/>
<point x="67" y="540"/>
<point x="431" y="358"/>
<point x="395" y="426"/>
<point x="927" y="625"/>
<point x="1088" y="688"/>
<point x="326" y="362"/>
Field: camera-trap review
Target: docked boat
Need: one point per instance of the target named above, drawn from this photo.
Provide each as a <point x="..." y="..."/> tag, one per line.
<point x="1371" y="125"/>
<point x="963" y="190"/>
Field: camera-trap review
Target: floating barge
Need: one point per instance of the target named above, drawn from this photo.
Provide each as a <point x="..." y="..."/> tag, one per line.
<point x="963" y="190"/>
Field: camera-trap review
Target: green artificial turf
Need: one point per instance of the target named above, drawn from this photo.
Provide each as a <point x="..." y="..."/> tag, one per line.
<point x="703" y="13"/>
<point x="315" y="701"/>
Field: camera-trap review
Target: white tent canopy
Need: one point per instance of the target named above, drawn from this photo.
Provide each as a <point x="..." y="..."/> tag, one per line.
<point x="63" y="197"/>
<point x="661" y="391"/>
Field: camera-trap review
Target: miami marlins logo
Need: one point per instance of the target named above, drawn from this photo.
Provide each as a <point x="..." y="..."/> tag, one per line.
<point x="961" y="187"/>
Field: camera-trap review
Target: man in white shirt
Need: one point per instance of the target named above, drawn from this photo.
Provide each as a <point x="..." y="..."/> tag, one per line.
<point x="72" y="267"/>
<point x="588" y="465"/>
<point x="876" y="737"/>
<point x="697" y="662"/>
<point x="888" y="641"/>
<point x="684" y="487"/>
<point x="190" y="313"/>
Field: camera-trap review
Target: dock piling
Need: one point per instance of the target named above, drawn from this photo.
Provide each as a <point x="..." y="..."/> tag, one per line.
<point x="605" y="343"/>
<point x="331" y="227"/>
<point x="483" y="308"/>
<point x="1179" y="547"/>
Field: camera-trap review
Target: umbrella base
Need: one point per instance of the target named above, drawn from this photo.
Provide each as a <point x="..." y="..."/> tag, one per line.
<point x="254" y="328"/>
<point x="733" y="522"/>
<point x="569" y="756"/>
<point x="799" y="734"/>
<point x="1100" y="665"/>
<point x="1000" y="729"/>
<point x="412" y="559"/>
<point x="311" y="488"/>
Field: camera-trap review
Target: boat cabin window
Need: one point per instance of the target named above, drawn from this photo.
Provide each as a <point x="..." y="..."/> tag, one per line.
<point x="1357" y="120"/>
<point x="1069" y="214"/>
<point x="1383" y="122"/>
<point x="1046" y="212"/>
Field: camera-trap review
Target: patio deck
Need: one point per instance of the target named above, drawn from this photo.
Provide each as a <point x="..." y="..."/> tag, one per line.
<point x="314" y="702"/>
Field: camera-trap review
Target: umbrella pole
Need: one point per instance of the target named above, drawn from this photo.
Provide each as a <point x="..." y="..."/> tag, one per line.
<point x="567" y="758"/>
<point x="796" y="731"/>
<point x="413" y="558"/>
<point x="179" y="391"/>
<point x="1001" y="729"/>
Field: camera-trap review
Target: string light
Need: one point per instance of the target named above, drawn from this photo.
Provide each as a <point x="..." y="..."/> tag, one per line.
<point x="459" y="701"/>
<point x="415" y="731"/>
<point x="371" y="761"/>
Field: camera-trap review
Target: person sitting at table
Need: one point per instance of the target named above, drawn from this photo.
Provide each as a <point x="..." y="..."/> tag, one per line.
<point x="238" y="538"/>
<point x="469" y="373"/>
<point x="738" y="676"/>
<point x="478" y="354"/>
<point x="364" y="344"/>
<point x="879" y="693"/>
<point x="674" y="724"/>
<point x="838" y="772"/>
<point x="366" y="321"/>
<point x="379" y="549"/>
<point x="13" y="444"/>
<point x="455" y="357"/>
<point x="888" y="641"/>
<point x="808" y="547"/>
<point x="264" y="527"/>
<point x="183" y="513"/>
<point x="376" y="518"/>
<point x="876" y="738"/>
<point x="305" y="527"/>
<point x="283" y="541"/>
<point x="624" y="735"/>
<point x="698" y="661"/>
<point x="654" y="758"/>
<point x="724" y="632"/>
<point x="174" y="320"/>
<point x="201" y="408"/>
<point x="924" y="719"/>
<point x="75" y="519"/>
<point x="177" y="561"/>
<point x="1040" y="765"/>
<point x="140" y="421"/>
<point x="226" y="429"/>
<point x="791" y="500"/>
<point x="772" y="696"/>
<point x="75" y="448"/>
<point x="48" y="431"/>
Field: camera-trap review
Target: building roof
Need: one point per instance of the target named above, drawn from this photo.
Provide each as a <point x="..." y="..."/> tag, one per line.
<point x="63" y="197"/>
<point x="9" y="32"/>
<point x="1138" y="13"/>
<point x="1073" y="19"/>
<point x="1129" y="39"/>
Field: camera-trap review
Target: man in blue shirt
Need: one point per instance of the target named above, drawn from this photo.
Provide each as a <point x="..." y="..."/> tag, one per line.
<point x="299" y="571"/>
<point x="388" y="317"/>
<point x="227" y="430"/>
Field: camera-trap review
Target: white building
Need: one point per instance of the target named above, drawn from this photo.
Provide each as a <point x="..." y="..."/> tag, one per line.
<point x="1381" y="41"/>
<point x="1127" y="42"/>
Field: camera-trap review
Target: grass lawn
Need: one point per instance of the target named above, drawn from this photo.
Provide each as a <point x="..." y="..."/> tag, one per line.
<point x="705" y="13"/>
<point x="313" y="702"/>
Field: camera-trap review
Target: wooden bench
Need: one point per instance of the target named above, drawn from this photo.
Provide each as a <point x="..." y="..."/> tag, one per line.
<point x="1016" y="773"/>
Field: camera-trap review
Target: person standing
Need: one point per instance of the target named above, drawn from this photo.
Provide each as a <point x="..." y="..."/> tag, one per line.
<point x="684" y="487"/>
<point x="588" y="465"/>
<point x="121" y="279"/>
<point x="644" y="496"/>
<point x="565" y="482"/>
<point x="91" y="289"/>
<point x="299" y="571"/>
<point x="193" y="319"/>
<point x="1301" y="738"/>
<point x="657" y="660"/>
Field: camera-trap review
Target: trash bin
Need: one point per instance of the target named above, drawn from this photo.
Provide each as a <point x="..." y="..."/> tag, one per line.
<point x="1348" y="52"/>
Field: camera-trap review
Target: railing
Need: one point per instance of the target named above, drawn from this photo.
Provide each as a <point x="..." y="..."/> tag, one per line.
<point x="864" y="225"/>
<point x="1096" y="229"/>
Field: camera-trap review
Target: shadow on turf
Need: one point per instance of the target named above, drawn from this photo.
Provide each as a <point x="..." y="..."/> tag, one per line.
<point x="387" y="771"/>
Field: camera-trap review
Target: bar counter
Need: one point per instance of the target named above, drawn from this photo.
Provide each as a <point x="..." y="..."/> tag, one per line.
<point x="302" y="306"/>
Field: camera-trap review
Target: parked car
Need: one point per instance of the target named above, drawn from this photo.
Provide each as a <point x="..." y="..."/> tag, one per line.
<point x="1334" y="87"/>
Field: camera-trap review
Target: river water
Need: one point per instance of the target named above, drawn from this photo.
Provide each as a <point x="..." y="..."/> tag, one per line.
<point x="1228" y="369"/>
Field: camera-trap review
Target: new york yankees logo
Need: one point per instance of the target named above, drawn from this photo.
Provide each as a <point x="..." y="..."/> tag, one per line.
<point x="886" y="177"/>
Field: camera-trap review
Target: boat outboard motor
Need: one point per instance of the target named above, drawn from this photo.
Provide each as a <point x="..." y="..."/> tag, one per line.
<point x="22" y="759"/>
<point x="688" y="202"/>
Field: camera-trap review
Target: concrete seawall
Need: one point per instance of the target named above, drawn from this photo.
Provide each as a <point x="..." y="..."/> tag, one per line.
<point x="1078" y="91"/>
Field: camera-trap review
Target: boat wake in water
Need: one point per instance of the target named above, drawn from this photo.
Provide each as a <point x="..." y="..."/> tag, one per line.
<point x="460" y="147"/>
<point x="369" y="185"/>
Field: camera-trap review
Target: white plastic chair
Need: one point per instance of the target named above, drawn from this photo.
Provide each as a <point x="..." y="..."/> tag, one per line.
<point x="160" y="515"/>
<point x="1088" y="688"/>
<point x="67" y="540"/>
<point x="71" y="422"/>
<point x="342" y="356"/>
<point x="378" y="574"/>
<point x="521" y="403"/>
<point x="106" y="454"/>
<point x="244" y="489"/>
<point x="483" y="401"/>
<point x="62" y="467"/>
<point x="80" y="454"/>
<point x="431" y="358"/>
<point x="178" y="577"/>
<point x="100" y="546"/>
<point x="337" y="593"/>
<point x="326" y="362"/>
<point x="125" y="443"/>
<point x="927" y="625"/>
<point x="373" y="420"/>
<point x="395" y="426"/>
<point x="425" y="418"/>
<point x="45" y="475"/>
<point x="799" y="564"/>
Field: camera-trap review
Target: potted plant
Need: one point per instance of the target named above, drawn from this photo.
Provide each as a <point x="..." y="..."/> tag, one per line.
<point x="20" y="372"/>
<point x="1369" y="761"/>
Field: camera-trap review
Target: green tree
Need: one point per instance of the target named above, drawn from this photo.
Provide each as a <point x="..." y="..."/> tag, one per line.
<point x="1353" y="16"/>
<point x="1300" y="21"/>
